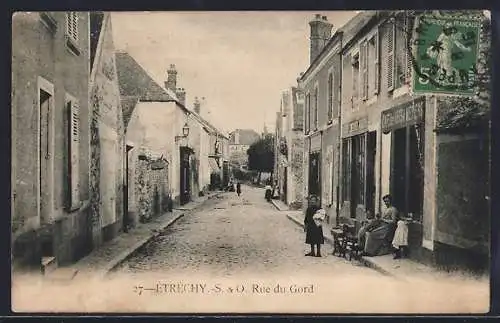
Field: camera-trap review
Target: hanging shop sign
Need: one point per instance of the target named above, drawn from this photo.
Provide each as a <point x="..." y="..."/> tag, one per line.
<point x="355" y="127"/>
<point x="406" y="114"/>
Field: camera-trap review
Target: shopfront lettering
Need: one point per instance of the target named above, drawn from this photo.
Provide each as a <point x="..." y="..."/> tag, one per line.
<point x="403" y="115"/>
<point x="355" y="127"/>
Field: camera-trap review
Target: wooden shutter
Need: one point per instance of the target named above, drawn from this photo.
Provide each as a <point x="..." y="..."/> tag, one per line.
<point x="74" y="160"/>
<point x="376" y="76"/>
<point x="364" y="69"/>
<point x="407" y="37"/>
<point x="72" y="25"/>
<point x="330" y="96"/>
<point x="316" y="94"/>
<point x="390" y="55"/>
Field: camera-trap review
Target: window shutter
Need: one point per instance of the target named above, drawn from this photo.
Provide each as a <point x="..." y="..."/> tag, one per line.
<point x="73" y="145"/>
<point x="408" y="60"/>
<point x="364" y="70"/>
<point x="330" y="96"/>
<point x="376" y="76"/>
<point x="316" y="94"/>
<point x="390" y="56"/>
<point x="72" y="25"/>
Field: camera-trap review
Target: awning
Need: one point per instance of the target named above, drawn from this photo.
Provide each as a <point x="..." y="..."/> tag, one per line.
<point x="214" y="168"/>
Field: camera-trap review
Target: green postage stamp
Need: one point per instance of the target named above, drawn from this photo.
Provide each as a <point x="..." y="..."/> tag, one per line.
<point x="445" y="52"/>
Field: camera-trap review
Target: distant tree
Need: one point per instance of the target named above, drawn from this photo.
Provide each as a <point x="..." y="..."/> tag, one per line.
<point x="261" y="156"/>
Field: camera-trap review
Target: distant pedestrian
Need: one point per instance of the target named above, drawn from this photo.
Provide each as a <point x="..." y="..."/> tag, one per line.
<point x="238" y="188"/>
<point x="314" y="232"/>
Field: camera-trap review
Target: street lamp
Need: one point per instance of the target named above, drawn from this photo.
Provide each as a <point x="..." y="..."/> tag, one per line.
<point x="185" y="132"/>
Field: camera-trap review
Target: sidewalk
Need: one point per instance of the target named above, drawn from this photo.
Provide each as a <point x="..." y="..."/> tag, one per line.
<point x="104" y="259"/>
<point x="400" y="269"/>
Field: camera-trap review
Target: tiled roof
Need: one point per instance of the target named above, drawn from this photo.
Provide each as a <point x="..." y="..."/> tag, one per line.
<point x="135" y="81"/>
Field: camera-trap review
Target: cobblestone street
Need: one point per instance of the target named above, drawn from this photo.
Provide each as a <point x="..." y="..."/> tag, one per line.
<point x="236" y="235"/>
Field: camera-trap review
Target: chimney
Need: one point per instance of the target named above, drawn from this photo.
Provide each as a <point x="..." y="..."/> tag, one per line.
<point x="181" y="95"/>
<point x="171" y="82"/>
<point x="321" y="31"/>
<point x="197" y="105"/>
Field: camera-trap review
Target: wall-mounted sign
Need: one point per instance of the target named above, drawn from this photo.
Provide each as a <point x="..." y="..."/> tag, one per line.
<point x="403" y="115"/>
<point x="354" y="127"/>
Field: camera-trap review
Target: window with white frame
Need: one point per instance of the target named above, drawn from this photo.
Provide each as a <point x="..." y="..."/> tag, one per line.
<point x="72" y="25"/>
<point x="73" y="131"/>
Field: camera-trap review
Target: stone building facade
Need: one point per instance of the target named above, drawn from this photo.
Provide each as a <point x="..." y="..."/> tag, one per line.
<point x="107" y="178"/>
<point x="321" y="87"/>
<point x="389" y="140"/>
<point x="50" y="137"/>
<point x="289" y="148"/>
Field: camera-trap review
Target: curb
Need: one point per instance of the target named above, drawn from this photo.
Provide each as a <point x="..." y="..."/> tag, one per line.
<point x="128" y="253"/>
<point x="364" y="260"/>
<point x="278" y="206"/>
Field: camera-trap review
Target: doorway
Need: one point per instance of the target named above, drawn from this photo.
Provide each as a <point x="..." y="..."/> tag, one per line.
<point x="315" y="175"/>
<point x="185" y="175"/>
<point x="126" y="220"/>
<point x="45" y="99"/>
<point x="371" y="150"/>
<point x="407" y="180"/>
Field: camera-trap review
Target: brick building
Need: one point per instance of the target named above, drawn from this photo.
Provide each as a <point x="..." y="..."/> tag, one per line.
<point x="50" y="136"/>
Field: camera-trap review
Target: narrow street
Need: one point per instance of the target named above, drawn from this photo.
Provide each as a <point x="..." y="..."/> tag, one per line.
<point x="236" y="236"/>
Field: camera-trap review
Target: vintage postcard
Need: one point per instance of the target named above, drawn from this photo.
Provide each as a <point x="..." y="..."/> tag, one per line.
<point x="251" y="162"/>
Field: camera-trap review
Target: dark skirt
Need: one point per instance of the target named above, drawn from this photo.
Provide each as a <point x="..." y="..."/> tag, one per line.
<point x="314" y="234"/>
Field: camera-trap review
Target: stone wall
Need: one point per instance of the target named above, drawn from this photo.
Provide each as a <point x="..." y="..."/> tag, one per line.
<point x="151" y="189"/>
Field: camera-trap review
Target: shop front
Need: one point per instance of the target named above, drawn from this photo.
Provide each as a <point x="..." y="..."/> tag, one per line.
<point x="358" y="169"/>
<point x="404" y="127"/>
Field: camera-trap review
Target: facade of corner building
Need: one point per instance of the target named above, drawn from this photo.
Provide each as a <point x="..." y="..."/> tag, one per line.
<point x="289" y="148"/>
<point x="321" y="85"/>
<point x="50" y="137"/>
<point x="107" y="143"/>
<point x="373" y="156"/>
<point x="239" y="142"/>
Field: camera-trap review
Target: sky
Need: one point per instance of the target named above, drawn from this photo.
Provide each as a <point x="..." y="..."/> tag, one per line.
<point x="239" y="61"/>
